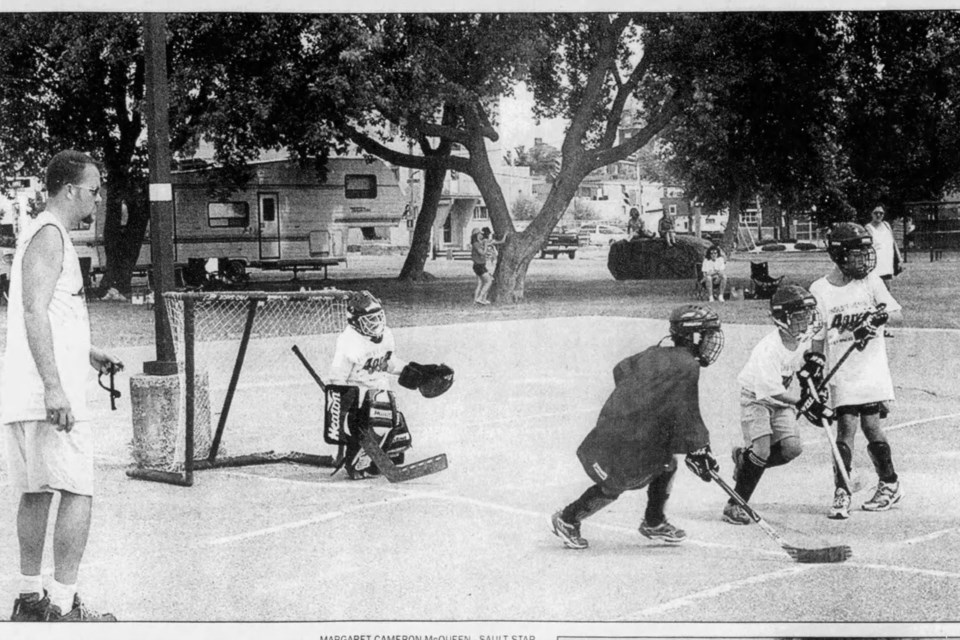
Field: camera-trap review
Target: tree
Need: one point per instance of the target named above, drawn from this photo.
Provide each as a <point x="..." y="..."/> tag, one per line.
<point x="543" y="160"/>
<point x="76" y="81"/>
<point x="901" y="126"/>
<point x="766" y="125"/>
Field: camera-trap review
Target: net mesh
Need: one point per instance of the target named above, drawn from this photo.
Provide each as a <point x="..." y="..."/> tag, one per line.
<point x="276" y="404"/>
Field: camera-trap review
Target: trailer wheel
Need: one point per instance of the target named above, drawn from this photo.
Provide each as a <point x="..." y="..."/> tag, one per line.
<point x="235" y="272"/>
<point x="572" y="255"/>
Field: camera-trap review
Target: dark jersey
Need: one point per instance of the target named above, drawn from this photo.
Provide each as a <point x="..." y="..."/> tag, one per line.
<point x="652" y="414"/>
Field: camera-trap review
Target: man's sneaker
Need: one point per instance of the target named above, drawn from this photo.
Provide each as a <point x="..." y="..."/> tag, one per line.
<point x="887" y="495"/>
<point x="664" y="532"/>
<point x="735" y="514"/>
<point x="737" y="455"/>
<point x="30" y="607"/>
<point x="569" y="533"/>
<point x="79" y="613"/>
<point x="840" y="509"/>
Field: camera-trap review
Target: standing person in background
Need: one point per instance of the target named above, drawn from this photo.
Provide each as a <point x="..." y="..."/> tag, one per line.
<point x="889" y="260"/>
<point x="46" y="423"/>
<point x="478" y="254"/>
<point x="666" y="229"/>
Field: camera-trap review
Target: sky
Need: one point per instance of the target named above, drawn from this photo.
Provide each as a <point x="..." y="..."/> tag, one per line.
<point x="517" y="124"/>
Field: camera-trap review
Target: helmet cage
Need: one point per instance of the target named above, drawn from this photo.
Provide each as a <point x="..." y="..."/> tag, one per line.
<point x="802" y="321"/>
<point x="710" y="346"/>
<point x="850" y="246"/>
<point x="371" y="324"/>
<point x="857" y="263"/>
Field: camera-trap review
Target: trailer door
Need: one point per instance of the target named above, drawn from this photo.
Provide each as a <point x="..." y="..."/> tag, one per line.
<point x="269" y="227"/>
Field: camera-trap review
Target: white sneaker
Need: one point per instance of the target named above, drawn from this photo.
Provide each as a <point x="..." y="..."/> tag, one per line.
<point x="720" y="297"/>
<point x="711" y="299"/>
<point x="840" y="510"/>
<point x="887" y="495"/>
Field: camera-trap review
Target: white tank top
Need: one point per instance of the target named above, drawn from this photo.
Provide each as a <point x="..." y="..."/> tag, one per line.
<point x="21" y="388"/>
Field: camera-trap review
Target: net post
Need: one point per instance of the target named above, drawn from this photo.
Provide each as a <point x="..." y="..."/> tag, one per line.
<point x="234" y="377"/>
<point x="190" y="393"/>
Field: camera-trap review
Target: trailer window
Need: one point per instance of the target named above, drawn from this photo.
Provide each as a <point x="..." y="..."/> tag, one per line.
<point x="228" y="214"/>
<point x="360" y="186"/>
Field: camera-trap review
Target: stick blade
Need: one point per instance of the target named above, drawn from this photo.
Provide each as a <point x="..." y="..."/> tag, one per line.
<point x="826" y="555"/>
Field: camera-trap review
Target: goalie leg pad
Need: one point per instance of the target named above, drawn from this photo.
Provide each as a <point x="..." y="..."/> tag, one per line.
<point x="341" y="403"/>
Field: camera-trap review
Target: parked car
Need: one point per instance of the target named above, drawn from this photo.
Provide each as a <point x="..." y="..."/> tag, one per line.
<point x="601" y="234"/>
<point x="562" y="241"/>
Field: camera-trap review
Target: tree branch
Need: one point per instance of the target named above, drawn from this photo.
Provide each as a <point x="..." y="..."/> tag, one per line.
<point x="623" y="93"/>
<point x="373" y="147"/>
<point x="670" y="109"/>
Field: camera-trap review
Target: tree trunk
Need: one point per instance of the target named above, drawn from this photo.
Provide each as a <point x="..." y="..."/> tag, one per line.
<point x="413" y="266"/>
<point x="122" y="242"/>
<point x="730" y="234"/>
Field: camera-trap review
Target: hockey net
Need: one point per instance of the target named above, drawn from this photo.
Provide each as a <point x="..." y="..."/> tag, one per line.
<point x="242" y="396"/>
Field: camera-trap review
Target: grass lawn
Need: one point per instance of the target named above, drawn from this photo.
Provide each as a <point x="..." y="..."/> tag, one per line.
<point x="561" y="288"/>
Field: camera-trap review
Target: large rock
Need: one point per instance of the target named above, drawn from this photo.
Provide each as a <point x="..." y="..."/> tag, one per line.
<point x="654" y="260"/>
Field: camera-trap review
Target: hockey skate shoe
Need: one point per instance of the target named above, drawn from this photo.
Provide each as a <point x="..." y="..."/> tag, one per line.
<point x="840" y="509"/>
<point x="30" y="607"/>
<point x="569" y="533"/>
<point x="665" y="532"/>
<point x="735" y="514"/>
<point x="887" y="495"/>
<point x="79" y="613"/>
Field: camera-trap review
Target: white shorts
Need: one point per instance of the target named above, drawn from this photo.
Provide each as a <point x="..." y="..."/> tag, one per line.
<point x="42" y="459"/>
<point x="759" y="418"/>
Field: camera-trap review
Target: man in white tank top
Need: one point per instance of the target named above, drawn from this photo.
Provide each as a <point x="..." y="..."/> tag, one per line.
<point x="43" y="410"/>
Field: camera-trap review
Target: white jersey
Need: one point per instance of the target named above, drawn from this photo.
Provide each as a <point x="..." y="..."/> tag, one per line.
<point x="771" y="366"/>
<point x="21" y="387"/>
<point x="864" y="377"/>
<point x="360" y="361"/>
<point x="883" y="242"/>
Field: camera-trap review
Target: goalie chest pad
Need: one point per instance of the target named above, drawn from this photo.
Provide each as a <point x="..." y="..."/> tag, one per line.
<point x="342" y="402"/>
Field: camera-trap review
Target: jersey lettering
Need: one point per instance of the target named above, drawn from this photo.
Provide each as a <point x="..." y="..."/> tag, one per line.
<point x="848" y="321"/>
<point x="375" y="365"/>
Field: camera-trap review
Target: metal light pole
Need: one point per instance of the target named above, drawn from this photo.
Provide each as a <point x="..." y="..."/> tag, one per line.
<point x="161" y="189"/>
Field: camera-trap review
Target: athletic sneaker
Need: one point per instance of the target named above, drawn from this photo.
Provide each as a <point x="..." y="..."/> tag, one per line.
<point x="887" y="495"/>
<point x="664" y="532"/>
<point x="79" y="613"/>
<point x="735" y="514"/>
<point x="569" y="533"/>
<point x="840" y="510"/>
<point x="30" y="607"/>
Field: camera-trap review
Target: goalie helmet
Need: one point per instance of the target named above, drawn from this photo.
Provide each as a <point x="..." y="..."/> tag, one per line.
<point x="794" y="310"/>
<point x="850" y="246"/>
<point x="698" y="328"/>
<point x="365" y="314"/>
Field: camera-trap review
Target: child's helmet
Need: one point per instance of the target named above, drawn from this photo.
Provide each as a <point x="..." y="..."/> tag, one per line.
<point x="697" y="327"/>
<point x="850" y="246"/>
<point x="794" y="310"/>
<point x="365" y="314"/>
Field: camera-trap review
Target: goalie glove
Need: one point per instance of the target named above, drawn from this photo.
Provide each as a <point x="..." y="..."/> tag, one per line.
<point x="701" y="462"/>
<point x="431" y="380"/>
<point x="813" y="410"/>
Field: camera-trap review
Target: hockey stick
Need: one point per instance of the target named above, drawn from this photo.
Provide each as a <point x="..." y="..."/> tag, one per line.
<point x="852" y="486"/>
<point x="390" y="470"/>
<point x="810" y="556"/>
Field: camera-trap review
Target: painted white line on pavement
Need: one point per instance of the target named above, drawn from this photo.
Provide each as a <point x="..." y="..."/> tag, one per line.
<point x="324" y="517"/>
<point x="894" y="427"/>
<point x="690" y="600"/>
<point x="935" y="573"/>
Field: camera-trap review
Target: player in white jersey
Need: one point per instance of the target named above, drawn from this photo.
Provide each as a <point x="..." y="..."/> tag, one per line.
<point x="855" y="303"/>
<point x="770" y="396"/>
<point x="361" y="391"/>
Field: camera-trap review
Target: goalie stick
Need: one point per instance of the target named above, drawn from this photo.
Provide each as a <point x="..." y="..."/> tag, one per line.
<point x="824" y="555"/>
<point x="391" y="471"/>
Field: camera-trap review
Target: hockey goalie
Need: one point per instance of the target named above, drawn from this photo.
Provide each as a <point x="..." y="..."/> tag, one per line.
<point x="361" y="414"/>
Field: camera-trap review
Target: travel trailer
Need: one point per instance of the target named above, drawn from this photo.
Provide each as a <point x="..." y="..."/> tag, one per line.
<point x="285" y="217"/>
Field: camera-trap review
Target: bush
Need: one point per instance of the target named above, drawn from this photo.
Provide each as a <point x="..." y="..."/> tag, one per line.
<point x="772" y="247"/>
<point x="805" y="246"/>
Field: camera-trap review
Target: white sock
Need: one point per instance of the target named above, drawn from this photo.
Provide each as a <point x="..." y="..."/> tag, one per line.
<point x="31" y="584"/>
<point x="61" y="595"/>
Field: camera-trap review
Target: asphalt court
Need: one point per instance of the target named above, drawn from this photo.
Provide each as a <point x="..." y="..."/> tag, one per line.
<point x="285" y="542"/>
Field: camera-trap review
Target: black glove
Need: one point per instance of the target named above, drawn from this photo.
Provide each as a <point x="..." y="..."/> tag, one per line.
<point x="812" y="369"/>
<point x="813" y="410"/>
<point x="702" y="462"/>
<point x="868" y="328"/>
